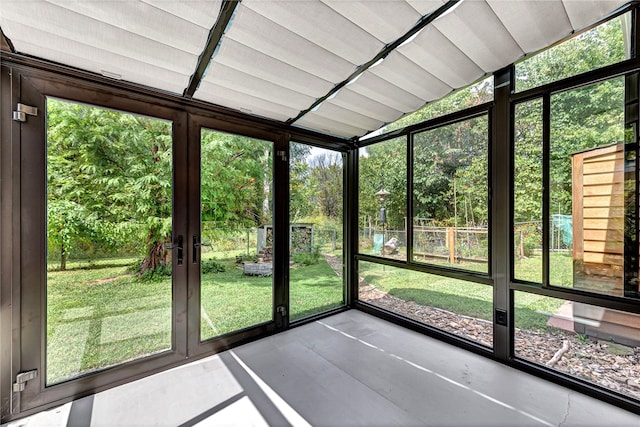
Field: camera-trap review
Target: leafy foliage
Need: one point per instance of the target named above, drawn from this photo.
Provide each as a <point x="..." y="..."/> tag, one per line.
<point x="316" y="180"/>
<point x="109" y="175"/>
<point x="384" y="165"/>
<point x="211" y="266"/>
<point x="307" y="257"/>
<point x="236" y="180"/>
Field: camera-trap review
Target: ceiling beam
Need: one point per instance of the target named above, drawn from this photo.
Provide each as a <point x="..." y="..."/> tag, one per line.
<point x="5" y="43"/>
<point x="227" y="10"/>
<point x="423" y="22"/>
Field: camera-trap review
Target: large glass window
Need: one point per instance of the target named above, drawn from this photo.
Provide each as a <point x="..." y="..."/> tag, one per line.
<point x="455" y="306"/>
<point x="527" y="192"/>
<point x="587" y="188"/>
<point x="589" y="221"/>
<point x="383" y="199"/>
<point x="592" y="343"/>
<point x="109" y="217"/>
<point x="603" y="45"/>
<point x="236" y="232"/>
<point x="316" y="275"/>
<point x="592" y="185"/>
<point x="450" y="195"/>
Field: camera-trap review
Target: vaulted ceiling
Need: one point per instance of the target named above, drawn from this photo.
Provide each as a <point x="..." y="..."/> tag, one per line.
<point x="340" y="67"/>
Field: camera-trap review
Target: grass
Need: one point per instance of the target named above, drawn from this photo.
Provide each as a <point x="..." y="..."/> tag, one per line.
<point x="560" y="269"/>
<point x="99" y="314"/>
<point x="314" y="289"/>
<point x="99" y="317"/>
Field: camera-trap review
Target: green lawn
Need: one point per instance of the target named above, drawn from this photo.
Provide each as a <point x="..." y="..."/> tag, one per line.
<point x="99" y="317"/>
<point x="467" y="298"/>
<point x="560" y="269"/>
<point x="100" y="314"/>
<point x="103" y="315"/>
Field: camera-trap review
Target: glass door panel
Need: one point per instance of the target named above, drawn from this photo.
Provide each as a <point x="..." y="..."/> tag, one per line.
<point x="109" y="227"/>
<point x="316" y="282"/>
<point x="236" y="243"/>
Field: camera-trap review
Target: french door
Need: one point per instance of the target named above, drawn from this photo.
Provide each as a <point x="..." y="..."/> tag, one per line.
<point x="102" y="249"/>
<point x="233" y="218"/>
<point x="141" y="244"/>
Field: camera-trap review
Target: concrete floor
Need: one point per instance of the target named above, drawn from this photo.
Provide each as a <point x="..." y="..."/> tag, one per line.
<point x="349" y="369"/>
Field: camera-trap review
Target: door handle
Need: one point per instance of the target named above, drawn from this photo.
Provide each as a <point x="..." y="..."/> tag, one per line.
<point x="196" y="245"/>
<point x="179" y="246"/>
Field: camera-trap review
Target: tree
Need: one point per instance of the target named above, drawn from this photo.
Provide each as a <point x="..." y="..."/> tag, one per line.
<point x="236" y="179"/>
<point x="443" y="172"/>
<point x="299" y="172"/>
<point x="113" y="173"/>
<point x="326" y="184"/>
<point x="384" y="165"/>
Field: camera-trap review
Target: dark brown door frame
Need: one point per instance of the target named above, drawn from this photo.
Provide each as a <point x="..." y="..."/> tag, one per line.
<point x="9" y="239"/>
<point x="29" y="277"/>
<point x="195" y="124"/>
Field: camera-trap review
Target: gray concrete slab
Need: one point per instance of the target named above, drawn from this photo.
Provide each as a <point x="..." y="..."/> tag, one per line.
<point x="351" y="369"/>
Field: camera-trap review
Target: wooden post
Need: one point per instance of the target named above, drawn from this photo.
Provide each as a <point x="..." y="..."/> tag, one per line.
<point x="333" y="240"/>
<point x="521" y="244"/>
<point x="451" y="244"/>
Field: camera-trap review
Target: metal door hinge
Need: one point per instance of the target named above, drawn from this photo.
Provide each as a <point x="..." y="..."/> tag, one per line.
<point x="283" y="155"/>
<point x="281" y="317"/>
<point x="22" y="110"/>
<point x="22" y="378"/>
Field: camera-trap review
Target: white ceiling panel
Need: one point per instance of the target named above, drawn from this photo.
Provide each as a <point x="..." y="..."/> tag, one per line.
<point x="90" y="59"/>
<point x="157" y="24"/>
<point x="401" y="72"/>
<point x="250" y="61"/>
<point x="261" y="34"/>
<point x="533" y="24"/>
<point x="439" y="56"/>
<point x="385" y="20"/>
<point x="201" y="12"/>
<point x="378" y="89"/>
<point x="346" y="116"/>
<point x="222" y="75"/>
<point x="321" y="25"/>
<point x="425" y="7"/>
<point x="324" y="125"/>
<point x="476" y="30"/>
<point x="226" y="97"/>
<point x="586" y="12"/>
<point x="278" y="57"/>
<point x="61" y="22"/>
<point x="351" y="100"/>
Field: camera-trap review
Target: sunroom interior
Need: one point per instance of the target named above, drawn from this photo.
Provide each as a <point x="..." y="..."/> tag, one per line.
<point x="219" y="189"/>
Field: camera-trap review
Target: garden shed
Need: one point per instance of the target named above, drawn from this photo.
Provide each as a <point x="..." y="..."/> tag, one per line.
<point x="599" y="177"/>
<point x="598" y="218"/>
<point x="143" y="144"/>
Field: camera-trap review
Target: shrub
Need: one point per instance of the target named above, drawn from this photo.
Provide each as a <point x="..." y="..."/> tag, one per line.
<point x="159" y="273"/>
<point x="211" y="266"/>
<point x="307" y="258"/>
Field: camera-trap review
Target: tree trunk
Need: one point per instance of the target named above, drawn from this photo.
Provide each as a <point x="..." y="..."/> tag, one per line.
<point x="266" y="186"/>
<point x="156" y="256"/>
<point x="63" y="259"/>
